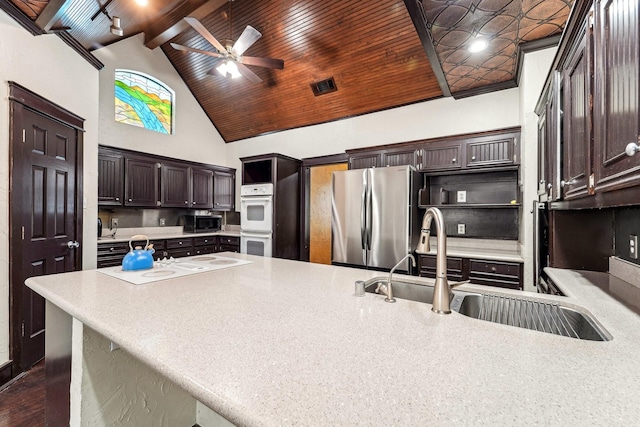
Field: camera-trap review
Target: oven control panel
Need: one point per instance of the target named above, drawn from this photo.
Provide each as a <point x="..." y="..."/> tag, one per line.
<point x="256" y="190"/>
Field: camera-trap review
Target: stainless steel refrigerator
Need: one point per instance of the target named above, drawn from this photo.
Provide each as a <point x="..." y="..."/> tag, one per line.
<point x="374" y="216"/>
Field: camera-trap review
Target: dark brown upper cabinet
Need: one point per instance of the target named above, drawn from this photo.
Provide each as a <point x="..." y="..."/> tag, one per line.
<point x="155" y="181"/>
<point x="175" y="186"/>
<point x="469" y="151"/>
<point x="436" y="156"/>
<point x="591" y="113"/>
<point x="365" y="160"/>
<point x="110" y="177"/>
<point x="202" y="188"/>
<point x="617" y="104"/>
<point x="224" y="190"/>
<point x="141" y="183"/>
<point x="577" y="116"/>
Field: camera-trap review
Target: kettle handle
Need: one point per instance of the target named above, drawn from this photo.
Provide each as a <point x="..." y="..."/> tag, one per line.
<point x="138" y="237"/>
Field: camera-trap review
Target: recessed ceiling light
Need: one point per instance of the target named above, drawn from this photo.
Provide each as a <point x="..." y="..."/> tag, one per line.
<point x="478" y="45"/>
<point x="142" y="2"/>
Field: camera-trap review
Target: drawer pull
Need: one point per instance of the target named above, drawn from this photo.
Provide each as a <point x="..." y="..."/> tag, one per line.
<point x="493" y="269"/>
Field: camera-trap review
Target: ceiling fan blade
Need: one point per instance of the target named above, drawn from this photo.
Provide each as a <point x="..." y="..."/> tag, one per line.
<point x="193" y="49"/>
<point x="248" y="37"/>
<point x="263" y="62"/>
<point x="246" y="72"/>
<point x="205" y="33"/>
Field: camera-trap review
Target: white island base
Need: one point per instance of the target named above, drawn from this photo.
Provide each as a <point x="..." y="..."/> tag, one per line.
<point x="110" y="387"/>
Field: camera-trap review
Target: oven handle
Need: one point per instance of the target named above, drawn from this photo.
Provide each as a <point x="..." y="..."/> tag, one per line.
<point x="256" y="235"/>
<point x="256" y="199"/>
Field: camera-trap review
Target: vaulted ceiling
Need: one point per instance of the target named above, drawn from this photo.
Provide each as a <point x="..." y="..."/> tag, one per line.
<point x="380" y="54"/>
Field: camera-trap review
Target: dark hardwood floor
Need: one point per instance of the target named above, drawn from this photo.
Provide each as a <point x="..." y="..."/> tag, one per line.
<point x="22" y="403"/>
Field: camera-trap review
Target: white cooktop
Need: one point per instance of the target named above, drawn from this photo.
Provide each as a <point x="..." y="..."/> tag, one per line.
<point x="171" y="269"/>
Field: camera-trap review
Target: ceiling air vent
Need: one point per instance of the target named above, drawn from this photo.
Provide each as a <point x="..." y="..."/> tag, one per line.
<point x="324" y="86"/>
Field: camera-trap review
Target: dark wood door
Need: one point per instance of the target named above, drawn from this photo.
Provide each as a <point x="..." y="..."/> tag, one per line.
<point x="141" y="183"/>
<point x="401" y="157"/>
<point x="552" y="147"/>
<point x="110" y="178"/>
<point x="45" y="219"/>
<point x="578" y="141"/>
<point x="439" y="157"/>
<point x="201" y="188"/>
<point x="365" y="160"/>
<point x="224" y="185"/>
<point x="491" y="153"/>
<point x="175" y="186"/>
<point x="617" y="107"/>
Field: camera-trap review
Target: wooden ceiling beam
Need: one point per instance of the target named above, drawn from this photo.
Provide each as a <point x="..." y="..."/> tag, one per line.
<point x="173" y="25"/>
<point x="51" y="13"/>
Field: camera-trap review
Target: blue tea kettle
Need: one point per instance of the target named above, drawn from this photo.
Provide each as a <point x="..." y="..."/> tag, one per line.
<point x="138" y="258"/>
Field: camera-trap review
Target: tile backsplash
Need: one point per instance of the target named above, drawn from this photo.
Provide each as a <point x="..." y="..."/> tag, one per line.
<point x="136" y="218"/>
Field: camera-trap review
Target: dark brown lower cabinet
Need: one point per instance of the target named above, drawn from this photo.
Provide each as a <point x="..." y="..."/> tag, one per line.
<point x="427" y="267"/>
<point x="111" y="254"/>
<point x="481" y="272"/>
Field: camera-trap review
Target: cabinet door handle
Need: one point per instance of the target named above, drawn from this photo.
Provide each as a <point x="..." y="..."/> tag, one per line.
<point x="453" y="160"/>
<point x="493" y="269"/>
<point x="572" y="182"/>
<point x="473" y="157"/>
<point x="179" y="243"/>
<point x="194" y="203"/>
<point x="129" y="199"/>
<point x="186" y="202"/>
<point x="117" y="199"/>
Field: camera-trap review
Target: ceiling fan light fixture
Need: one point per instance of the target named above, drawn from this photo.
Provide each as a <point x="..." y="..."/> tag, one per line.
<point x="115" y="28"/>
<point x="478" y="45"/>
<point x="228" y="68"/>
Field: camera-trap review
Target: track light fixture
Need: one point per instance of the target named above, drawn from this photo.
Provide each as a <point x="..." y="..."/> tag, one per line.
<point x="115" y="28"/>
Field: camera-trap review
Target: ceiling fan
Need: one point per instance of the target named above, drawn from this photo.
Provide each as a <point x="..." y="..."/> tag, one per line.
<point x="234" y="64"/>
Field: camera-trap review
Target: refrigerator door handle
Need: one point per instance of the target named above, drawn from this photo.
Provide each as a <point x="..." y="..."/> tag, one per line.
<point x="369" y="208"/>
<point x="363" y="217"/>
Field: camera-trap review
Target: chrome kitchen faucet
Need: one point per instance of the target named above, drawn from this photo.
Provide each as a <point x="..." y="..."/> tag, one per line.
<point x="388" y="289"/>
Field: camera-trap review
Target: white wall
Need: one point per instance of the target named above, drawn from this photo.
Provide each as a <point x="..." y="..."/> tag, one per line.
<point x="534" y="73"/>
<point x="440" y="117"/>
<point x="48" y="67"/>
<point x="194" y="138"/>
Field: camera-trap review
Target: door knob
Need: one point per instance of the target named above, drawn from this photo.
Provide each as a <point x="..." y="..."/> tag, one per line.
<point x="73" y="244"/>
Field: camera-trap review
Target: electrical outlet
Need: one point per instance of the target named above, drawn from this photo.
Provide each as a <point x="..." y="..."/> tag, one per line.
<point x="461" y="197"/>
<point x="114" y="222"/>
<point x="162" y="222"/>
<point x="633" y="246"/>
<point x="462" y="229"/>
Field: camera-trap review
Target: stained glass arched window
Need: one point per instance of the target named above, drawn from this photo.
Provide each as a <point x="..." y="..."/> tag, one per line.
<point x="144" y="101"/>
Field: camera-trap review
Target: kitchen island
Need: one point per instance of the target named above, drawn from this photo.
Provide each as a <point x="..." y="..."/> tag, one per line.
<point x="280" y="342"/>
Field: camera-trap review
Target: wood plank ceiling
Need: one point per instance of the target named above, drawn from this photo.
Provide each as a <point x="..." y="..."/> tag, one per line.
<point x="378" y="52"/>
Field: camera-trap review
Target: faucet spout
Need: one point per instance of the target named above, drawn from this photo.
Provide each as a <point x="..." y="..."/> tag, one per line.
<point x="442" y="291"/>
<point x="388" y="291"/>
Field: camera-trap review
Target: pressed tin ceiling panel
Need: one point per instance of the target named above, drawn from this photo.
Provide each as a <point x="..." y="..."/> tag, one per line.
<point x="506" y="24"/>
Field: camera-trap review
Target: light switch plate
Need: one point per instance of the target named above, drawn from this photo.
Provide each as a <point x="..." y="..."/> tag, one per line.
<point x="633" y="246"/>
<point x="462" y="197"/>
<point x="462" y="229"/>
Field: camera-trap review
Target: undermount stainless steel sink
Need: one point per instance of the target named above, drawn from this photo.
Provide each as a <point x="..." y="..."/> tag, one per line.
<point x="543" y="316"/>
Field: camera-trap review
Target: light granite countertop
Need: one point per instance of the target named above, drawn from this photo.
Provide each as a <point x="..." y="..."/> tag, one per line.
<point x="279" y="342"/>
<point x="124" y="234"/>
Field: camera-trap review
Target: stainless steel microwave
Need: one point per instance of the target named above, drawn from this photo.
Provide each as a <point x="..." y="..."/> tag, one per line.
<point x="201" y="223"/>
